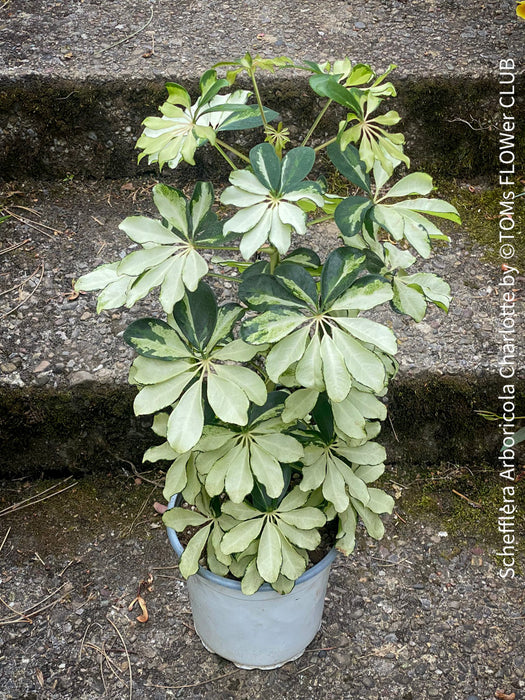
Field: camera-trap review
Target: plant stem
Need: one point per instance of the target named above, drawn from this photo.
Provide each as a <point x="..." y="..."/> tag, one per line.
<point x="274" y="259"/>
<point x="316" y="122"/>
<point x="226" y="158"/>
<point x="225" y="277"/>
<point x="258" y="97"/>
<point x="325" y="144"/>
<point x="320" y="221"/>
<point x="232" y="149"/>
<point x="216" y="247"/>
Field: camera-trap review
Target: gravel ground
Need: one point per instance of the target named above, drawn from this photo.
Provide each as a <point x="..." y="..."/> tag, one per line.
<point x="72" y="38"/>
<point x="422" y="614"/>
<point x="56" y="339"/>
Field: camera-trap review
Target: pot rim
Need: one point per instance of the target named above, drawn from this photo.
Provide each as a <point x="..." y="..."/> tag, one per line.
<point x="325" y="562"/>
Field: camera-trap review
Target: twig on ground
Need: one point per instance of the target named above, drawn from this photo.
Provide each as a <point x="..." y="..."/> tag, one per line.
<point x="385" y="562"/>
<point x="467" y="499"/>
<point x="21" y="284"/>
<point x="29" y="295"/>
<point x="128" y="532"/>
<point x="33" y="224"/>
<point x="5" y="538"/>
<point x="393" y="429"/>
<point x="127" y="655"/>
<point x="14" y="246"/>
<point x="32" y="500"/>
<point x="126" y="38"/>
<point x="26" y="615"/>
<point x="194" y="685"/>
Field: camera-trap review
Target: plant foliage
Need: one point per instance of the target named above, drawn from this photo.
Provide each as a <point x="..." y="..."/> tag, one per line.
<point x="268" y="407"/>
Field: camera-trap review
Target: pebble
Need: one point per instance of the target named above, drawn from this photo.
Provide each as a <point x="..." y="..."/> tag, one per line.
<point x="80" y="377"/>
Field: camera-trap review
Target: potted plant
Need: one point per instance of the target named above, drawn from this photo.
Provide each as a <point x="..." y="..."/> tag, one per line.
<point x="269" y="404"/>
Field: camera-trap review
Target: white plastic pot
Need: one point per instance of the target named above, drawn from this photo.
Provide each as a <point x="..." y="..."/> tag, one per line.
<point x="264" y="630"/>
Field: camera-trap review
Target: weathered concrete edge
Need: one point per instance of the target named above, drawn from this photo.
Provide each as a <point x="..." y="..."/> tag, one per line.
<point x="91" y="427"/>
<point x="51" y="127"/>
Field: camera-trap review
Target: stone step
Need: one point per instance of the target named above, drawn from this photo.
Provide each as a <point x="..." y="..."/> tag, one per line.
<point x="77" y="77"/>
<point x="64" y="399"/>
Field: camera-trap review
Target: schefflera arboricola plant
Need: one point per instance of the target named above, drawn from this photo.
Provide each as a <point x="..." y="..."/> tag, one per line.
<point x="267" y="407"/>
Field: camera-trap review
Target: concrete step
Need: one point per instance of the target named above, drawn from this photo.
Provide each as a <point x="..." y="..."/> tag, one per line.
<point x="77" y="77"/>
<point x="64" y="399"/>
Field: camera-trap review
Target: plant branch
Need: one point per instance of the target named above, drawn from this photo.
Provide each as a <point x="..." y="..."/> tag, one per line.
<point x="258" y="97"/>
<point x="316" y="122"/>
<point x="226" y="157"/>
<point x="230" y="278"/>
<point x="325" y="144"/>
<point x="223" y="144"/>
<point x="321" y="219"/>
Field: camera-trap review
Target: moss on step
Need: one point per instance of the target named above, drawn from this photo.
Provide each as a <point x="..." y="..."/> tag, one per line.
<point x="435" y="495"/>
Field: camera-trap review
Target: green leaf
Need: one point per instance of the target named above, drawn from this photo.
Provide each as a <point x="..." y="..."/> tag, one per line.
<point x="414" y="183"/>
<point x="436" y="207"/>
<point x="366" y="293"/>
<point x="227" y="316"/>
<point x="267" y="470"/>
<point x="171" y="204"/>
<point x="350" y="214"/>
<point x="299" y="404"/>
<point x="150" y="371"/>
<point x="341" y="269"/>
<point x="298" y="281"/>
<point x="217" y="473"/>
<point x="135" y="263"/>
<point x="363" y="364"/>
<point x="269" y="556"/>
<point x="181" y="518"/>
<point x="239" y="480"/>
<point x="265" y="292"/>
<point x="196" y="315"/>
<point x="237" y="351"/>
<point x="369" y="453"/>
<point x="177" y="95"/>
<point x="187" y="420"/>
<point x="266" y="165"/>
<point x="305" y="518"/>
<point x="227" y="400"/>
<point x="349" y="420"/>
<point x="143" y="230"/>
<point x="327" y="86"/>
<point x="295" y="166"/>
<point x="248" y="381"/>
<point x="99" y="278"/>
<point x="334" y="487"/>
<point x="252" y="580"/>
<point x="156" y="396"/>
<point x="335" y="374"/>
<point x="293" y="500"/>
<point x="286" y="352"/>
<point x="247" y="118"/>
<point x="324" y="419"/>
<point x="152" y="337"/>
<point x="162" y="451"/>
<point x="380" y="502"/>
<point x="271" y="326"/>
<point x="176" y="477"/>
<point x="304" y="256"/>
<point x="408" y="300"/>
<point x="350" y="165"/>
<point x="357" y="488"/>
<point x="200" y="204"/>
<point x="309" y="369"/>
<point x="189" y="561"/>
<point x="369" y="472"/>
<point x="307" y="539"/>
<point x="284" y="447"/>
<point x="370" y="332"/>
<point x="293" y="564"/>
<point x="368" y="405"/>
<point x="371" y="521"/>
